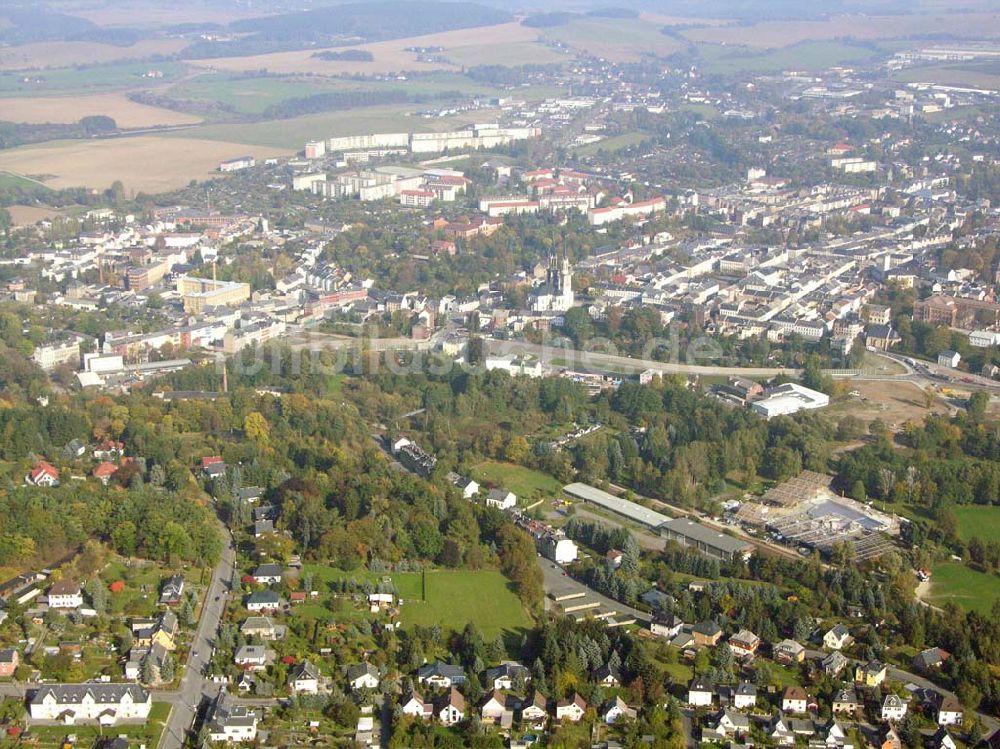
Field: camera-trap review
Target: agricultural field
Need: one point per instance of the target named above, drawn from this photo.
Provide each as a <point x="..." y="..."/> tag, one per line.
<point x="27" y="215"/>
<point x="53" y="737"/>
<point x="617" y="39"/>
<point x="771" y="34"/>
<point x="478" y="46"/>
<point x="526" y="483"/>
<point x="69" y="109"/>
<point x="976" y="591"/>
<point x="80" y="81"/>
<point x="40" y="55"/>
<point x="98" y="163"/>
<point x="726" y="59"/>
<point x="978" y="520"/>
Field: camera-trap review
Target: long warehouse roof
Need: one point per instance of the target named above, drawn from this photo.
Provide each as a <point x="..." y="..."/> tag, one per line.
<point x="705" y="535"/>
<point x="627" y="508"/>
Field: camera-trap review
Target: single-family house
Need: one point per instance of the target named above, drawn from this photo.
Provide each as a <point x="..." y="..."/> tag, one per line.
<point x="701" y="692"/>
<point x="441" y="675"/>
<point x="893" y="708"/>
<point x="263" y="600"/>
<point x="414" y="705"/>
<point x="251" y="657"/>
<point x="950" y="712"/>
<point x="43" y="474"/>
<point x="846" y="702"/>
<point x="834" y="663"/>
<point x="534" y="711"/>
<point x="363" y="676"/>
<point x="262" y="627"/>
<point x="837" y="637"/>
<point x="104" y="471"/>
<point x="788" y="652"/>
<point x="607" y="676"/>
<point x="304" y="678"/>
<point x="616" y="709"/>
<point x="871" y="674"/>
<point x="10" y="659"/>
<point x="744" y="696"/>
<point x="571" y="709"/>
<point x="942" y="740"/>
<point x="744" y="644"/>
<point x="451" y="709"/>
<point x="930" y="659"/>
<point x="501" y="499"/>
<point x="229" y="722"/>
<point x="725" y="725"/>
<point x="890" y="739"/>
<point x="172" y="591"/>
<point x="506" y="675"/>
<point x="268" y="574"/>
<point x="794" y="700"/>
<point x="65" y="594"/>
<point x="665" y="625"/>
<point x="706" y="634"/>
<point x="497" y="709"/>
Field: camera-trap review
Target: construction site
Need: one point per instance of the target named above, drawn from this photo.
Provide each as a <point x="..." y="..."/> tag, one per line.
<point x="806" y="513"/>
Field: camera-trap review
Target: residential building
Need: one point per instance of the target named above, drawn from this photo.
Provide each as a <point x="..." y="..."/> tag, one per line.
<point x="506" y="675"/>
<point x="706" y="634"/>
<point x="794" y="700"/>
<point x="665" y="625"/>
<point x="441" y="675"/>
<point x="263" y="600"/>
<point x="230" y="722"/>
<point x="744" y="644"/>
<point x="451" y="710"/>
<point x="501" y="499"/>
<point x="834" y="663"/>
<point x="846" y="702"/>
<point x="363" y="676"/>
<point x="107" y="704"/>
<point x="172" y="591"/>
<point x="251" y="657"/>
<point x="571" y="709"/>
<point x="10" y="659"/>
<point x="268" y="574"/>
<point x="43" y="474"/>
<point x="893" y="708"/>
<point x="871" y="674"/>
<point x="950" y="712"/>
<point x="615" y="710"/>
<point x="65" y="594"/>
<point x="788" y="652"/>
<point x="744" y="696"/>
<point x="701" y="693"/>
<point x="415" y="706"/>
<point x="304" y="678"/>
<point x="837" y="637"/>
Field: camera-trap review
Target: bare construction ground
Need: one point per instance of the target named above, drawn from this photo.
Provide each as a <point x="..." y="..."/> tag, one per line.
<point x="144" y="164"/>
<point x="126" y="113"/>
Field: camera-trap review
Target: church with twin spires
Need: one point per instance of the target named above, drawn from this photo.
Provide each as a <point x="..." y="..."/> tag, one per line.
<point x="556" y="294"/>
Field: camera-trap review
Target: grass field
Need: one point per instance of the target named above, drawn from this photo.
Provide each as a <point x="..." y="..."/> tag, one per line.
<point x="98" y="163"/>
<point x="454" y="598"/>
<point x="723" y="59"/>
<point x="770" y="34"/>
<point x="617" y="39"/>
<point x="969" y="589"/>
<point x="612" y="144"/>
<point x="86" y="735"/>
<point x="526" y="483"/>
<point x="68" y="109"/>
<point x="978" y="520"/>
<point x="8" y="180"/>
<point x="79" y="81"/>
<point x="63" y="54"/>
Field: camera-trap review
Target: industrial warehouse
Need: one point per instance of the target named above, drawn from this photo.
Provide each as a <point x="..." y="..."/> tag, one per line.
<point x="687" y="532"/>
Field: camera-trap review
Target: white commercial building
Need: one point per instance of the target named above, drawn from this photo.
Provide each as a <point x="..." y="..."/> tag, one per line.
<point x="788" y="399"/>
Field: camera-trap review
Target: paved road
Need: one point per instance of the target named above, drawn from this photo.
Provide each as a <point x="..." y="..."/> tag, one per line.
<point x="194" y="686"/>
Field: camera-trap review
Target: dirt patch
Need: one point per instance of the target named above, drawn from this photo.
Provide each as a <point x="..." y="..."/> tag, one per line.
<point x="65" y="54"/>
<point x="784" y="33"/>
<point x="26" y="215"/>
<point x="894" y="402"/>
<point x="147" y="163"/>
<point x="126" y="113"/>
<point x="390" y="56"/>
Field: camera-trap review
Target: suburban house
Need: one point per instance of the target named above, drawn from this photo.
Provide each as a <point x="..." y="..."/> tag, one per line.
<point x="942" y="740"/>
<point x="837" y="637"/>
<point x="363" y="676"/>
<point x="571" y="709"/>
<point x="263" y="600"/>
<point x="104" y="471"/>
<point x="744" y="643"/>
<point x="616" y="709"/>
<point x="950" y="712"/>
<point x="43" y="474"/>
<point x="701" y="693"/>
<point x="706" y="634"/>
<point x="262" y="627"/>
<point x="744" y="696"/>
<point x="468" y="487"/>
<point x="172" y="590"/>
<point x="505" y="675"/>
<point x="930" y="659"/>
<point x="665" y="625"/>
<point x="846" y="702"/>
<point x="871" y="674"/>
<point x="304" y="678"/>
<point x="834" y="663"/>
<point x="107" y="704"/>
<point x="794" y="700"/>
<point x="893" y="708"/>
<point x="65" y="594"/>
<point x="726" y="725"/>
<point x="251" y="657"/>
<point x="161" y="631"/>
<point x="788" y="652"/>
<point x="229" y="722"/>
<point x="9" y="661"/>
<point x="501" y="499"/>
<point x="268" y="574"/>
<point x="451" y="710"/>
<point x="890" y="739"/>
<point x="441" y="675"/>
<point x="415" y="706"/>
<point x="496" y="710"/>
<point x="607" y="676"/>
<point x="535" y="711"/>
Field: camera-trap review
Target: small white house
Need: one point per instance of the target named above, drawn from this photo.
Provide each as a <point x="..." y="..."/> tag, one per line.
<point x="893" y="708"/>
<point x="501" y="499"/>
<point x="949" y="359"/>
<point x="701" y="693"/>
<point x="837" y="637"/>
<point x="363" y="676"/>
<point x="744" y="696"/>
<point x="304" y="678"/>
<point x="65" y="594"/>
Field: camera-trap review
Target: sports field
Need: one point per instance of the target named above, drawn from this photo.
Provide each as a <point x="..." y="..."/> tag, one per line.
<point x="971" y="590"/>
<point x="526" y="483"/>
<point x="98" y="163"/>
